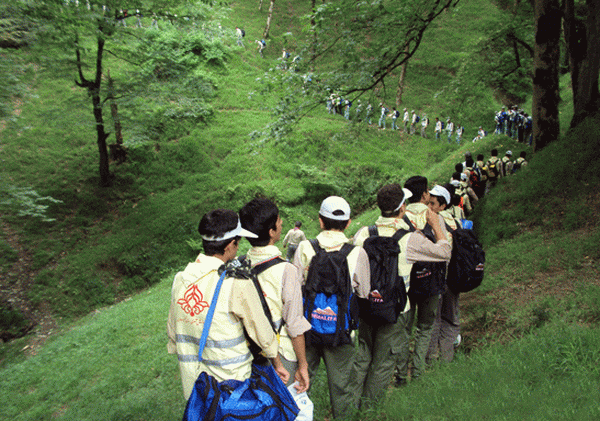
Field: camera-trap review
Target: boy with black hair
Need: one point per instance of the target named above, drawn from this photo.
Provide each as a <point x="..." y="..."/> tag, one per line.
<point x="424" y="308"/>
<point x="334" y="218"/>
<point x="520" y="162"/>
<point x="280" y="282"/>
<point x="494" y="170"/>
<point x="446" y="327"/>
<point x="238" y="310"/>
<point x="378" y="345"/>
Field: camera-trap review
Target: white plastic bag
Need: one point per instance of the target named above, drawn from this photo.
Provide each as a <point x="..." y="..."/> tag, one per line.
<point x="304" y="403"/>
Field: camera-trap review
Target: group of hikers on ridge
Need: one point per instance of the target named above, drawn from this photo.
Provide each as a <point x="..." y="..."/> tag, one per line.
<point x="304" y="309"/>
<point x="515" y="122"/>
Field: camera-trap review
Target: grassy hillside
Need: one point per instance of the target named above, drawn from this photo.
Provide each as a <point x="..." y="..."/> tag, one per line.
<point x="530" y="332"/>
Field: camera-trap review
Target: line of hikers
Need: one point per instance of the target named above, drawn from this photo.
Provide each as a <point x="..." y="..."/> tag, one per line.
<point x="404" y="271"/>
<point x="472" y="179"/>
<point x="411" y="122"/>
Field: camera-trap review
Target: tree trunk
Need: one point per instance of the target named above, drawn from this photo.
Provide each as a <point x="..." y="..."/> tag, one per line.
<point x="313" y="27"/>
<point x="268" y="27"/>
<point x="545" y="73"/>
<point x="583" y="41"/>
<point x="400" y="89"/>
<point x="114" y="110"/>
<point x="102" y="135"/>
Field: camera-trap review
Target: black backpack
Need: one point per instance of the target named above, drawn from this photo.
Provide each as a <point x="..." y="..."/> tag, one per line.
<point x="465" y="271"/>
<point x="427" y="278"/>
<point x="329" y="303"/>
<point x="387" y="298"/>
<point x="243" y="33"/>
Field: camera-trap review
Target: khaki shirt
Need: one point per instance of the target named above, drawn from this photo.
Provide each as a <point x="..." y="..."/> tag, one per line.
<point x="282" y="286"/>
<point x="294" y="237"/>
<point x="358" y="261"/>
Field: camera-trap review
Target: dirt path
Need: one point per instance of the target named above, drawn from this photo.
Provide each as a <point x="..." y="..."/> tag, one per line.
<point x="14" y="286"/>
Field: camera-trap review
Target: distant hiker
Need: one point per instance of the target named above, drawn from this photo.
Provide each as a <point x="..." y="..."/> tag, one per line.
<point x="368" y="113"/>
<point x="384" y="112"/>
<point x="382" y="328"/>
<point x="507" y="164"/>
<point x="422" y="306"/>
<point x="394" y="114"/>
<point x="238" y="310"/>
<point x="406" y="120"/>
<point x="483" y="176"/>
<point x="494" y="170"/>
<point x="424" y="124"/>
<point x="446" y="328"/>
<point x="292" y="239"/>
<point x="481" y="133"/>
<point x="240" y="33"/>
<point x="331" y="263"/>
<point x="461" y="189"/>
<point x="359" y="107"/>
<point x="520" y="162"/>
<point x="347" y="107"/>
<point x="285" y="55"/>
<point x="449" y="129"/>
<point x="262" y="44"/>
<point x="413" y="122"/>
<point x="280" y="282"/>
<point x="438" y="128"/>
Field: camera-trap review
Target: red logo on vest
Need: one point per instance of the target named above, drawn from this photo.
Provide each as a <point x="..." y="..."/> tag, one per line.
<point x="192" y="301"/>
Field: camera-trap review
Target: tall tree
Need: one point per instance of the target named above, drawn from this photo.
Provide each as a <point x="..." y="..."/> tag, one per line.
<point x="545" y="73"/>
<point x="582" y="34"/>
<point x="269" y="17"/>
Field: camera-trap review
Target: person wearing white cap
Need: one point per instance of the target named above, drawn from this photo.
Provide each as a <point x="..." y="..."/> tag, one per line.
<point x="334" y="218"/>
<point x="226" y="355"/>
<point x="446" y="327"/>
<point x="423" y="308"/>
<point x="281" y="285"/>
<point x="378" y="345"/>
<point x="405" y="120"/>
<point x="507" y="164"/>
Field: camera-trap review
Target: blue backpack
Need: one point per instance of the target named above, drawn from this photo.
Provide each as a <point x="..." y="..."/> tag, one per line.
<point x="329" y="304"/>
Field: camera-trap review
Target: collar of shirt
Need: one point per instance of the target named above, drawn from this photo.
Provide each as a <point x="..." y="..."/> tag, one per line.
<point x="332" y="239"/>
<point x="258" y="255"/>
<point x="416" y="208"/>
<point x="395" y="223"/>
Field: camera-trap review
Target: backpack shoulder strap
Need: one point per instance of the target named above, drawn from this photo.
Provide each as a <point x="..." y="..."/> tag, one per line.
<point x="373" y="231"/>
<point x="315" y="245"/>
<point x="399" y="234"/>
<point x="346" y="249"/>
<point x="260" y="268"/>
<point x="411" y="227"/>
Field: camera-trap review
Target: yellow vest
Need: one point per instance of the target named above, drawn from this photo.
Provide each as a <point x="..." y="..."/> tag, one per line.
<point x="226" y="354"/>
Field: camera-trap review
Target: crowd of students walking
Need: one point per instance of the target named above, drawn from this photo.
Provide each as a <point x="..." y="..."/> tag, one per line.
<point x="306" y="308"/>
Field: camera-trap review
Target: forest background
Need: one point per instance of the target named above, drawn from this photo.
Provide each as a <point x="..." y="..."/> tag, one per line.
<point x="86" y="270"/>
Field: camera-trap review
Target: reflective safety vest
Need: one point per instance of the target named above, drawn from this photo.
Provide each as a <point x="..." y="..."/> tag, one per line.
<point x="226" y="354"/>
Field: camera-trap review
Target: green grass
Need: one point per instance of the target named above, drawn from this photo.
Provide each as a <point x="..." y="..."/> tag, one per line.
<point x="539" y="228"/>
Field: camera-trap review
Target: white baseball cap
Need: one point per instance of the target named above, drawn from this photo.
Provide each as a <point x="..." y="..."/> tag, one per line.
<point x="237" y="231"/>
<point x="440" y="191"/>
<point x="333" y="204"/>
